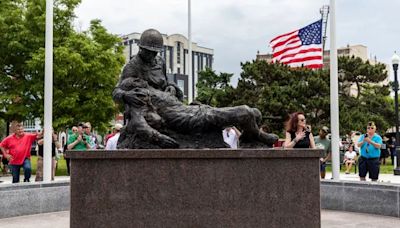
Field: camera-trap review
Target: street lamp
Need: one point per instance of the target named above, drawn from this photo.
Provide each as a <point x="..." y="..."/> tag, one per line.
<point x="395" y="64"/>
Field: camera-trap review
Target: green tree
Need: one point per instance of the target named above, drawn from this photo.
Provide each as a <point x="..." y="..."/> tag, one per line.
<point x="212" y="89"/>
<point x="2" y="129"/>
<point x="372" y="102"/>
<point x="86" y="65"/>
<point x="277" y="90"/>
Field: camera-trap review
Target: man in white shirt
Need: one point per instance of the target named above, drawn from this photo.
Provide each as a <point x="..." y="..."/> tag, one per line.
<point x="231" y="136"/>
<point x="112" y="142"/>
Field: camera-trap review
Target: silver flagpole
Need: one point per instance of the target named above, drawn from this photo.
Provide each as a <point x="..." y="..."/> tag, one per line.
<point x="334" y="94"/>
<point x="190" y="75"/>
<point x="48" y="93"/>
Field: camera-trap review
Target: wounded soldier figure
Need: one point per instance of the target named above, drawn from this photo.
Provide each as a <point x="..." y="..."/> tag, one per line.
<point x="152" y="104"/>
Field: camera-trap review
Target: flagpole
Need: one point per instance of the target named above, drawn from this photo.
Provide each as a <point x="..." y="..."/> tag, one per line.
<point x="334" y="94"/>
<point x="190" y="75"/>
<point x="48" y="94"/>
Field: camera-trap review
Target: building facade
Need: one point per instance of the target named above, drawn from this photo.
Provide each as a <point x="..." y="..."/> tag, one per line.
<point x="175" y="53"/>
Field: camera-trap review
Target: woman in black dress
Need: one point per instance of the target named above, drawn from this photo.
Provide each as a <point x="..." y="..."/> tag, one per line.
<point x="297" y="133"/>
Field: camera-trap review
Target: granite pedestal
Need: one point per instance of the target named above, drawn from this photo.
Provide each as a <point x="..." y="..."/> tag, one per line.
<point x="195" y="188"/>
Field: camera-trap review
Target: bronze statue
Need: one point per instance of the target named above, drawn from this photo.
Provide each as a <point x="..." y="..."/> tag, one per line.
<point x="157" y="118"/>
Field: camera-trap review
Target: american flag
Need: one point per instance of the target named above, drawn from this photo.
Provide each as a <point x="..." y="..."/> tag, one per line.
<point x="299" y="48"/>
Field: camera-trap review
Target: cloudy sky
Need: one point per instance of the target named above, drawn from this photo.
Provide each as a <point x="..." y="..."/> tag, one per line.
<point x="236" y="29"/>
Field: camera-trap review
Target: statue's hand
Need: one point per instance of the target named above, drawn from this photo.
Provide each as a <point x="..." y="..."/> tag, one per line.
<point x="174" y="91"/>
<point x="171" y="89"/>
<point x="166" y="141"/>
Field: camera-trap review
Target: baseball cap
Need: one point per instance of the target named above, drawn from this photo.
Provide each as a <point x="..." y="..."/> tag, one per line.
<point x="325" y="129"/>
<point x="371" y="124"/>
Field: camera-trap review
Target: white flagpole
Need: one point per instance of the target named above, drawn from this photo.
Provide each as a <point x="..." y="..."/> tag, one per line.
<point x="48" y="93"/>
<point x="190" y="75"/>
<point x="334" y="95"/>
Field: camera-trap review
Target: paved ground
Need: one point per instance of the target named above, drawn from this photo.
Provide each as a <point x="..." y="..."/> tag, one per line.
<point x="8" y="179"/>
<point x="387" y="178"/>
<point x="330" y="219"/>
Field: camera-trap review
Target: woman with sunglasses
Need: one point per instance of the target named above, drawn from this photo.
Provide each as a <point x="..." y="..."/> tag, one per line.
<point x="298" y="134"/>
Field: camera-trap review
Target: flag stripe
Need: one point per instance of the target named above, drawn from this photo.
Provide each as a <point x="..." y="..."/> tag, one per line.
<point x="301" y="52"/>
<point x="279" y="53"/>
<point x="302" y="59"/>
<point x="293" y="43"/>
<point x="300" y="48"/>
<point x="273" y="41"/>
<point x="286" y="40"/>
<point x="310" y="62"/>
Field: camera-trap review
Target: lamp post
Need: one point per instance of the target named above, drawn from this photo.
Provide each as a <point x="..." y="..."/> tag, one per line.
<point x="395" y="64"/>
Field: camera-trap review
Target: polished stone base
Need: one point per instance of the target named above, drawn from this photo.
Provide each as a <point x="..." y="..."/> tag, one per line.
<point x="33" y="198"/>
<point x="195" y="188"/>
<point x="362" y="197"/>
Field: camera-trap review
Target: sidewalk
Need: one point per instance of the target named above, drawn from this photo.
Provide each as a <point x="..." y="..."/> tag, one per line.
<point x="8" y="179"/>
<point x="329" y="219"/>
<point x="385" y="178"/>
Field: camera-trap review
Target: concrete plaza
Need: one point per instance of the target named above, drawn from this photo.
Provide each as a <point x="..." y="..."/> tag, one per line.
<point x="330" y="219"/>
<point x="385" y="178"/>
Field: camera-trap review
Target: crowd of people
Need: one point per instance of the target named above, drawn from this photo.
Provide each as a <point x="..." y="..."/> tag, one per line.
<point x="367" y="153"/>
<point x="16" y="149"/>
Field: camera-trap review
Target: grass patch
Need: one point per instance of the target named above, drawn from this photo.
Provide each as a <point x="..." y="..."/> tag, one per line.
<point x="61" y="166"/>
<point x="384" y="169"/>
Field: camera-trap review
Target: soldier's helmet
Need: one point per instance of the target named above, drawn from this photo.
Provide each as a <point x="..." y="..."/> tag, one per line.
<point x="152" y="40"/>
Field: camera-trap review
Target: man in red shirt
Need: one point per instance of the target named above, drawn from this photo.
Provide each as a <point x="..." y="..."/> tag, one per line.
<point x="16" y="148"/>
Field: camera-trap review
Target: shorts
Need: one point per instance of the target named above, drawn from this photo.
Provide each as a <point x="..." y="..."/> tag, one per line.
<point x="4" y="160"/>
<point x="369" y="165"/>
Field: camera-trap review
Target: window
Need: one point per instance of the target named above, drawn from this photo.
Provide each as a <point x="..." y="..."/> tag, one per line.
<point x="181" y="85"/>
<point x="178" y="52"/>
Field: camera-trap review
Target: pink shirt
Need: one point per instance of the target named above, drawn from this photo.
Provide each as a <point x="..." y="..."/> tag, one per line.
<point x="18" y="148"/>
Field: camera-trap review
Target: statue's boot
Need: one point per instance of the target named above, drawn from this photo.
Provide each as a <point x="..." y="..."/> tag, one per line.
<point x="268" y="138"/>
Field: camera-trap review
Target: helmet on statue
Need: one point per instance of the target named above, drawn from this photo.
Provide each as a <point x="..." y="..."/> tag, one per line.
<point x="151" y="40"/>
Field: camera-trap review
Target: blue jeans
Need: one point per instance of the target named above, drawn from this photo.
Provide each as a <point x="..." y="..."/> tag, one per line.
<point x="27" y="171"/>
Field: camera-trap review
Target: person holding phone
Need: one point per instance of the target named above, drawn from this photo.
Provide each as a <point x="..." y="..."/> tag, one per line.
<point x="78" y="140"/>
<point x="370" y="147"/>
<point x="298" y="135"/>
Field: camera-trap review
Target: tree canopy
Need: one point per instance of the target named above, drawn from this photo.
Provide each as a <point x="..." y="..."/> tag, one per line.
<point x="277" y="90"/>
<point x="213" y="88"/>
<point x="86" y="65"/>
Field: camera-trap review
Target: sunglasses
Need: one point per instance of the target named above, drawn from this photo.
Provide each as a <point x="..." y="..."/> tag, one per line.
<point x="370" y="128"/>
<point x="302" y="120"/>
